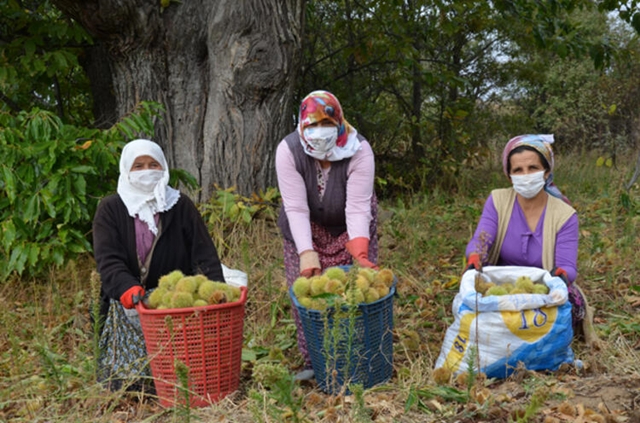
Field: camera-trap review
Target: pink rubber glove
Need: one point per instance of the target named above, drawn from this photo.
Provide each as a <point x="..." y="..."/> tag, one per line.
<point x="359" y="249"/>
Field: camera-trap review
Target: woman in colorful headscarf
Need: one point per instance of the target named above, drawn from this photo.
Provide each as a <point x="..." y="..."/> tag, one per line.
<point x="143" y="232"/>
<point x="532" y="223"/>
<point x="329" y="210"/>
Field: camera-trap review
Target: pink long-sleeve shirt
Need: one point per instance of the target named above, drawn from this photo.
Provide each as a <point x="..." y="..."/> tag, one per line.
<point x="360" y="178"/>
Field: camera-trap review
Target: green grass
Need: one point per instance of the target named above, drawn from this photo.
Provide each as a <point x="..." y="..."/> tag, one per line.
<point x="47" y="346"/>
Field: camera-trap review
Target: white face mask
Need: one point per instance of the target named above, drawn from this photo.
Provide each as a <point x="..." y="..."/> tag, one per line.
<point x="145" y="180"/>
<point x="528" y="185"/>
<point x="322" y="139"/>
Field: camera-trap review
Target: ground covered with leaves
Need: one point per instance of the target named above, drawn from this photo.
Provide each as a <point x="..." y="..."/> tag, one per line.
<point x="47" y="346"/>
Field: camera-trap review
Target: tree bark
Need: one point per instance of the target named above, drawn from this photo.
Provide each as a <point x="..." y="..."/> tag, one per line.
<point x="224" y="70"/>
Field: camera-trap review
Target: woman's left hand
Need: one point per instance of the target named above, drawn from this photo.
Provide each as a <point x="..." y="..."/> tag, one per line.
<point x="359" y="249"/>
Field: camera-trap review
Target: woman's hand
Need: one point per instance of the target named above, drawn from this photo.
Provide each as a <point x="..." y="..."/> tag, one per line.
<point x="359" y="249"/>
<point x="474" y="262"/>
<point x="309" y="264"/>
<point x="132" y="296"/>
<point x="561" y="273"/>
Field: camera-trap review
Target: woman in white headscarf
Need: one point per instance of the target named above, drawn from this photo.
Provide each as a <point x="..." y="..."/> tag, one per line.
<point x="143" y="232"/>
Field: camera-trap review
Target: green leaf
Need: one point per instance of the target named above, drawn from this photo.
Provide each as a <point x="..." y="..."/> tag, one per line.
<point x="32" y="210"/>
<point x="47" y="202"/>
<point x="8" y="234"/>
<point x="34" y="252"/>
<point x="29" y="47"/>
<point x="76" y="248"/>
<point x="249" y="355"/>
<point x="246" y="215"/>
<point x="182" y="176"/>
<point x="9" y="184"/>
<point x="52" y="185"/>
<point x="18" y="259"/>
<point x="82" y="169"/>
<point x="80" y="185"/>
<point x="60" y="60"/>
<point x="412" y="398"/>
<point x="58" y="255"/>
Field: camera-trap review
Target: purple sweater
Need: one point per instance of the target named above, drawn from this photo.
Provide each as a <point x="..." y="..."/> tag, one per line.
<point x="521" y="247"/>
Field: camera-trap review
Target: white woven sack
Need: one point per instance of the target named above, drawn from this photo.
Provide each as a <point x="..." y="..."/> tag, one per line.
<point x="533" y="329"/>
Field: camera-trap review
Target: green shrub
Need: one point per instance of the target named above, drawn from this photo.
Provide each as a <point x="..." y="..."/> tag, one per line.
<point x="52" y="177"/>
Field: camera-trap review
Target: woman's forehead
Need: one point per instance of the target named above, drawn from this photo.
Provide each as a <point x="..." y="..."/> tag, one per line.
<point x="144" y="158"/>
<point x="525" y="156"/>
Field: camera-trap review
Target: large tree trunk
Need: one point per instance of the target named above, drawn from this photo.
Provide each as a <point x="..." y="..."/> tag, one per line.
<point x="224" y="70"/>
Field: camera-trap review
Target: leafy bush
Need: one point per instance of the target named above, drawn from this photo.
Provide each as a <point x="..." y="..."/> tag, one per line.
<point x="229" y="214"/>
<point x="52" y="178"/>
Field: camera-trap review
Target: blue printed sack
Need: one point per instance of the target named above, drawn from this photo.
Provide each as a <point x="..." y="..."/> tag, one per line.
<point x="532" y="329"/>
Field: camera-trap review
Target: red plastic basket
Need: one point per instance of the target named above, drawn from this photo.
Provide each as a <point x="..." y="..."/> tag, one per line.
<point x="207" y="340"/>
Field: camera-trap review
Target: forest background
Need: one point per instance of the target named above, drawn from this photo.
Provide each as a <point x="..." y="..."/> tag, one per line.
<point x="437" y="88"/>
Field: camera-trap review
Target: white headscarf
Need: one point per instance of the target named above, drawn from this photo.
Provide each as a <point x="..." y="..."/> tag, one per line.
<point x="145" y="204"/>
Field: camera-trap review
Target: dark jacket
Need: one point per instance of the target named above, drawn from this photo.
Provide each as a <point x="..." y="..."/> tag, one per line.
<point x="184" y="244"/>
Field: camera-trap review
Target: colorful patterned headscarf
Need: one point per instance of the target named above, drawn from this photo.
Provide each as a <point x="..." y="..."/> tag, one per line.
<point x="542" y="144"/>
<point x="320" y="105"/>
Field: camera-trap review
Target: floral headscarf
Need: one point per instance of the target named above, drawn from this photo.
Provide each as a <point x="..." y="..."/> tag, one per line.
<point x="542" y="144"/>
<point x="321" y="105"/>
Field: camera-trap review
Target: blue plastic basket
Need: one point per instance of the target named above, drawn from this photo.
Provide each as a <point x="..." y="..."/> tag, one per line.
<point x="350" y="345"/>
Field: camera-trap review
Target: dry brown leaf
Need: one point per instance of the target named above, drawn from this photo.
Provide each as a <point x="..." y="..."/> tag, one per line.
<point x="633" y="300"/>
<point x="481" y="395"/>
<point x="434" y="405"/>
<point x="567" y="409"/>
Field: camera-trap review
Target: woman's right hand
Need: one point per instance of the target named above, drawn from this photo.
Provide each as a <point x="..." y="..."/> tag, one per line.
<point x="132" y="296"/>
<point x="474" y="262"/>
<point x="309" y="264"/>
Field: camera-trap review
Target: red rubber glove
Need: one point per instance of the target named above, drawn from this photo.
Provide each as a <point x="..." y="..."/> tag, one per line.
<point x="474" y="262"/>
<point x="132" y="296"/>
<point x="359" y="249"/>
<point x="561" y="273"/>
<point x="309" y="264"/>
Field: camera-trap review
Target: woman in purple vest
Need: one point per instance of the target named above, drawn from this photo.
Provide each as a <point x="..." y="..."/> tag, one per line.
<point x="329" y="210"/>
<point x="532" y="223"/>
